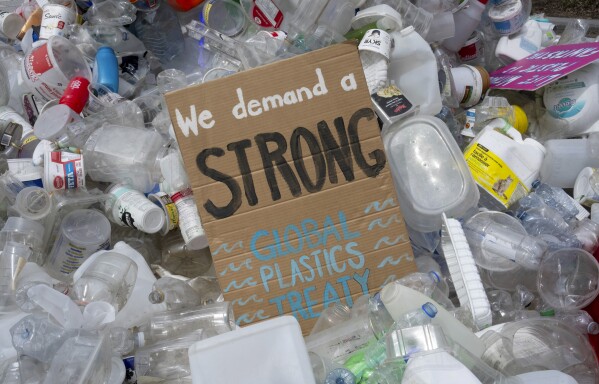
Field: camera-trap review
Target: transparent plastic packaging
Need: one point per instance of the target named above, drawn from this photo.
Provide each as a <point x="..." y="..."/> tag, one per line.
<point x="175" y="293"/>
<point x="109" y="278"/>
<point x="499" y="242"/>
<point x="214" y="318"/>
<point x="568" y="279"/>
<point x="424" y="157"/>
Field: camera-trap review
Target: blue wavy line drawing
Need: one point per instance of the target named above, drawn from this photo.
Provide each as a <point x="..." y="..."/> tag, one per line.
<point x="226" y="248"/>
<point x="387" y="241"/>
<point x="390" y="202"/>
<point x="388" y="280"/>
<point x="240" y="302"/>
<point x="247" y="263"/>
<point x="390" y="260"/>
<point x="394" y="218"/>
<point x="246" y="318"/>
<point x="233" y="284"/>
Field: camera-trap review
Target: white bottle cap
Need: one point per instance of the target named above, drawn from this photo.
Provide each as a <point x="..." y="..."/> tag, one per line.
<point x="153" y="220"/>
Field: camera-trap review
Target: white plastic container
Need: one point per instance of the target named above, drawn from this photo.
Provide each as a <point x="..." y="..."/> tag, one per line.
<point x="130" y="208"/>
<point x="571" y="104"/>
<point x="270" y="352"/>
<point x="413" y="67"/>
<point x="520" y="45"/>
<point x="503" y="164"/>
<point x="437" y="367"/>
<point x="429" y="172"/>
<point x="471" y="83"/>
<point x="567" y="157"/>
<point x="466" y="20"/>
<point x="400" y="300"/>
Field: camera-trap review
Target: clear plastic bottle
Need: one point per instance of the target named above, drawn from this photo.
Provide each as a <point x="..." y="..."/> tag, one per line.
<point x="108" y="278"/>
<point x="421" y="316"/>
<point x="124" y="155"/>
<point x="427" y="283"/>
<point x="411" y="15"/>
<point x="362" y="362"/>
<point x="557" y="199"/>
<point x="494" y="236"/>
<point x="160" y="31"/>
<point x="331" y="316"/>
<point x="31" y="275"/>
<point x="587" y="232"/>
<point x="175" y="293"/>
<point x="543" y="220"/>
<point x="12" y="260"/>
<point x="579" y="319"/>
<point x="215" y="318"/>
<point x="167" y="359"/>
<point x="38" y="337"/>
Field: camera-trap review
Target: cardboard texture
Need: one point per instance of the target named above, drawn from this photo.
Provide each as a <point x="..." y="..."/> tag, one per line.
<point x="292" y="185"/>
<point x="544" y="67"/>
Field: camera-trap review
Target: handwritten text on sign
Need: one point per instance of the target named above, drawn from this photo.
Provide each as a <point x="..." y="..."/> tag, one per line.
<point x="292" y="185"/>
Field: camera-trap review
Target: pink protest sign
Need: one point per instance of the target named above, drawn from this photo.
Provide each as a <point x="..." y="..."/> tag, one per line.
<point x="544" y="66"/>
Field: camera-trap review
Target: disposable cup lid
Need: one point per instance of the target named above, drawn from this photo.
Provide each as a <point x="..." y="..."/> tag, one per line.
<point x="86" y="227"/>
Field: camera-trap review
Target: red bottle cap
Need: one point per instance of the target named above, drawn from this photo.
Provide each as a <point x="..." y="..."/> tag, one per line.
<point x="76" y="94"/>
<point x="483" y="1"/>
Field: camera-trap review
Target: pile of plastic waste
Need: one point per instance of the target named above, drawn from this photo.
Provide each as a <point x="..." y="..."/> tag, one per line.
<point x="105" y="272"/>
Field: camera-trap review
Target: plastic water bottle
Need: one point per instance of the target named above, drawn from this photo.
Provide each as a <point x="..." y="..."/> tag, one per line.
<point x="216" y="318"/>
<point x="108" y="278"/>
<point x="558" y="199"/>
<point x="491" y="234"/>
<point x="38" y="337"/>
<point x="421" y="316"/>
<point x="411" y="15"/>
<point x="160" y="31"/>
<point x="428" y="283"/>
<point x="175" y="293"/>
<point x="579" y="319"/>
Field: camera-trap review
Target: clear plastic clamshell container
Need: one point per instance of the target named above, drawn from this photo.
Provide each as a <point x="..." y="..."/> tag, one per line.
<point x="429" y="171"/>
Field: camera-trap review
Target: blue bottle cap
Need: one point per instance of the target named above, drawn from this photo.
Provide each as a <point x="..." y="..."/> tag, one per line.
<point x="106" y="69"/>
<point x="429" y="309"/>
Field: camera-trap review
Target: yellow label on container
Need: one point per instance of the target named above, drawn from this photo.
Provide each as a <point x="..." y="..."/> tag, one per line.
<point x="493" y="175"/>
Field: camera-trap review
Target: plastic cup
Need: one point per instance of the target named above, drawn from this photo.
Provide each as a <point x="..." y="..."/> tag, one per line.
<point x="568" y="279"/>
<point x="33" y="203"/>
<point x="25" y="231"/>
<point x="47" y="68"/>
<point x="82" y="233"/>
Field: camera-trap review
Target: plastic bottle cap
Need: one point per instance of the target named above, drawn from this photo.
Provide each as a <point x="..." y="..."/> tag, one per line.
<point x="520" y="119"/>
<point x="593" y="328"/>
<point x="153" y="220"/>
<point x="548" y="313"/>
<point x="76" y="94"/>
<point x="407" y="30"/>
<point x="535" y="184"/>
<point x="430" y="309"/>
<point x="435" y="276"/>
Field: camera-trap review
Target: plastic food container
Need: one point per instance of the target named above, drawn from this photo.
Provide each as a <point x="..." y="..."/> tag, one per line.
<point x="430" y="174"/>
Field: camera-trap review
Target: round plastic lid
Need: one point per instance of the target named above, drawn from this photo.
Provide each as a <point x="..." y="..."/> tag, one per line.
<point x="86" y="227"/>
<point x="153" y="220"/>
<point x="51" y="124"/>
<point x="12" y="25"/>
<point x="198" y="242"/>
<point x="34" y="202"/>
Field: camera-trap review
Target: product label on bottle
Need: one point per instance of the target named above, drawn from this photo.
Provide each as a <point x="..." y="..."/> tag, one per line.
<point x="472" y="50"/>
<point x="189" y="219"/>
<point x="266" y="14"/>
<point x="63" y="170"/>
<point x="470" y="120"/>
<point x="391" y="102"/>
<point x="528" y="45"/>
<point x="55" y="19"/>
<point x="493" y="175"/>
<point x="376" y="40"/>
<point x="129" y="207"/>
<point x="563" y="100"/>
<point x="67" y="256"/>
<point x="168" y="206"/>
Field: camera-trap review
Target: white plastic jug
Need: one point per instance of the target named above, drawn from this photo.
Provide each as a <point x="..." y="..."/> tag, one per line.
<point x="413" y="67"/>
<point x="567" y="157"/>
<point x="571" y="104"/>
<point x="503" y="164"/>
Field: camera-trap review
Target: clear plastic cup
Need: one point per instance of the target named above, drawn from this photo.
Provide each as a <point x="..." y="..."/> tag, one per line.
<point x="82" y="233"/>
<point x="24" y="231"/>
<point x="47" y="68"/>
<point x="33" y="203"/>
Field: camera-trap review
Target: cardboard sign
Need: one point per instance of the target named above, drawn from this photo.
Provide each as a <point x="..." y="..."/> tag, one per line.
<point x="292" y="185"/>
<point x="544" y="66"/>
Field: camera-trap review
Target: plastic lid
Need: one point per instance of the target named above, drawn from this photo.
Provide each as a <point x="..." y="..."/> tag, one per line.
<point x="51" y="124"/>
<point x="34" y="203"/>
<point x="340" y="376"/>
<point x="86" y="227"/>
<point x="407" y="30"/>
<point x="520" y="119"/>
<point x="153" y="220"/>
<point x="430" y="309"/>
<point x="76" y="94"/>
<point x="12" y="25"/>
<point x="593" y="328"/>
